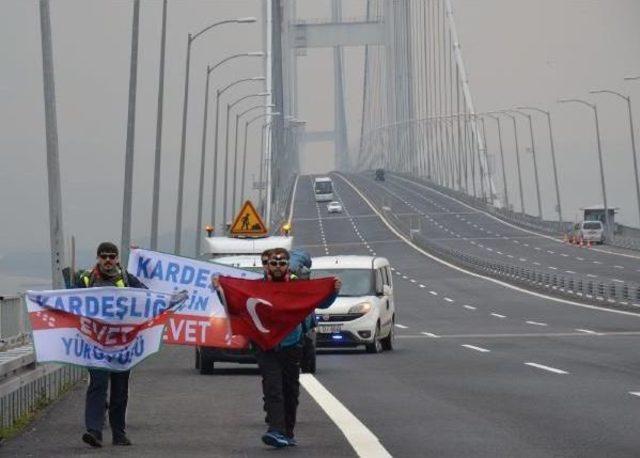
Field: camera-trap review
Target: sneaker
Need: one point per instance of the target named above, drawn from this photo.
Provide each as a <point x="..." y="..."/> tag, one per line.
<point x="275" y="439"/>
<point x="92" y="439"/>
<point x="122" y="440"/>
<point x="291" y="441"/>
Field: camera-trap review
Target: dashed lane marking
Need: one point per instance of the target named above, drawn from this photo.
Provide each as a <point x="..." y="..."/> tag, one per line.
<point x="448" y="299"/>
<point x="473" y="347"/>
<point x="588" y="331"/>
<point x="401" y="326"/>
<point x="497" y="315"/>
<point x="429" y="334"/>
<point x="469" y="307"/>
<point x="547" y="368"/>
<point x="536" y="323"/>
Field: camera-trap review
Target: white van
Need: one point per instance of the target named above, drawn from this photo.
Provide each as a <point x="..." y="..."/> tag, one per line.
<point x="588" y="231"/>
<point x="364" y="312"/>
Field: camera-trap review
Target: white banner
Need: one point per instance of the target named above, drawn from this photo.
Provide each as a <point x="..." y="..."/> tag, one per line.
<point x="202" y="320"/>
<point x="106" y="328"/>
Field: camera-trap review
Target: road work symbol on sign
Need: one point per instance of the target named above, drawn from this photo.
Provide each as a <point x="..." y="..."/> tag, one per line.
<point x="248" y="222"/>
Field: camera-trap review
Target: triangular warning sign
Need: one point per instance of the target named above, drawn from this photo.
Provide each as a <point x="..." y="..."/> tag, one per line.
<point x="248" y="222"/>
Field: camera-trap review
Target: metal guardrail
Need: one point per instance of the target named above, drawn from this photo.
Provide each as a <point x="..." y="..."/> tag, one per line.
<point x="553" y="228"/>
<point x="14" y="322"/>
<point x="24" y="385"/>
<point x="572" y="286"/>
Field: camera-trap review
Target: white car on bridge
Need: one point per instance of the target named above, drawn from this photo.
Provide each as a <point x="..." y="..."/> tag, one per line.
<point x="364" y="312"/>
<point x="334" y="207"/>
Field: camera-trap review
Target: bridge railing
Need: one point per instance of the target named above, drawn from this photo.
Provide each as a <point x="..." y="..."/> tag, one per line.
<point x="24" y="384"/>
<point x="614" y="294"/>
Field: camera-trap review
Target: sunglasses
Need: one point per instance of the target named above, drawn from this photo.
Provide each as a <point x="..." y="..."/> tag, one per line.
<point x="280" y="263"/>
<point x="108" y="256"/>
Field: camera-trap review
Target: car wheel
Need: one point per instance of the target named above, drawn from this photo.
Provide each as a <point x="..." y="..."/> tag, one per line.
<point x="205" y="363"/>
<point x="389" y="342"/>
<point x="376" y="345"/>
<point x="197" y="358"/>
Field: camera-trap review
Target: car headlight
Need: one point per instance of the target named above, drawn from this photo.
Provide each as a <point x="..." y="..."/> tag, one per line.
<point x="362" y="307"/>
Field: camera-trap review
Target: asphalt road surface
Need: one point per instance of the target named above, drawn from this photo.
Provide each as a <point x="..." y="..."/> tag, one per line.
<point x="457" y="225"/>
<point x="480" y="369"/>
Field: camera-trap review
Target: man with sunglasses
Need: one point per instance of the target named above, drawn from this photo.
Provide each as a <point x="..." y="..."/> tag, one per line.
<point x="280" y="366"/>
<point x="106" y="272"/>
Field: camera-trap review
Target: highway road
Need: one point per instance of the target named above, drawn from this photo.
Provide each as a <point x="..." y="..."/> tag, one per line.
<point x="480" y="369"/>
<point x="459" y="226"/>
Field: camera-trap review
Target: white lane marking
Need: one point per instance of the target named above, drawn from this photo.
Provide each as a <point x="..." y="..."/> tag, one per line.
<point x="523" y="259"/>
<point x="429" y="334"/>
<point x="553" y="268"/>
<point x="535" y="263"/>
<point x="472" y="274"/>
<point x="536" y="323"/>
<point x="469" y="307"/>
<point x="448" y="299"/>
<point x="570" y="272"/>
<point x="422" y="286"/>
<point x="412" y="280"/>
<point x="564" y="255"/>
<point x="588" y="331"/>
<point x="497" y="315"/>
<point x="551" y="252"/>
<point x="597" y="262"/>
<point x="473" y="347"/>
<point x="363" y="441"/>
<point x="547" y="368"/>
<point x="635" y="393"/>
<point x="404" y="277"/>
<point x="592" y="276"/>
<point x="401" y="326"/>
<point x="618" y="267"/>
<point x="616" y="280"/>
<point x="579" y="258"/>
<point x="433" y="292"/>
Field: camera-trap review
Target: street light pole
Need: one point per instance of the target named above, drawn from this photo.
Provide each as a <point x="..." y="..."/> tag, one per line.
<point x="210" y="70"/>
<point x="190" y="39"/>
<point x="155" y="206"/>
<point x="235" y="158"/>
<point x="225" y="183"/>
<point x="604" y="191"/>
<point x="553" y="158"/>
<point x="244" y="150"/>
<point x="219" y="93"/>
<point x="535" y="162"/>
<point x="56" y="232"/>
<point x="633" y="139"/>
<point x="504" y="174"/>
<point x="131" y="130"/>
<point x="515" y="135"/>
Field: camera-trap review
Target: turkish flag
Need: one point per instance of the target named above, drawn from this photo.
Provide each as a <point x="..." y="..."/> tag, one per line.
<point x="266" y="311"/>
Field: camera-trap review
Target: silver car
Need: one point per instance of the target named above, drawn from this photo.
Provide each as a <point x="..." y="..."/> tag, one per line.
<point x="334" y="207"/>
<point x="588" y="231"/>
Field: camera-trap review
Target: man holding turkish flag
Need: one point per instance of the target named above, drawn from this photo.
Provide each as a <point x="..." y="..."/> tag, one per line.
<point x="270" y="313"/>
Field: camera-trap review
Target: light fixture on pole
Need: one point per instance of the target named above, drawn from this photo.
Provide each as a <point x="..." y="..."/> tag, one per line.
<point x="235" y="148"/>
<point x="210" y="70"/>
<point x="226" y="154"/>
<point x="633" y="138"/>
<point x="190" y="39"/>
<point x="553" y="158"/>
<point x="598" y="142"/>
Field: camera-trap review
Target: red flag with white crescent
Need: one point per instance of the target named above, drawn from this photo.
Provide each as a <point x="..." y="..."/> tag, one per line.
<point x="266" y="311"/>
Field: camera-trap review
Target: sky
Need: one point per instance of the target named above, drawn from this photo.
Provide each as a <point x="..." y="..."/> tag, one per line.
<point x="516" y="52"/>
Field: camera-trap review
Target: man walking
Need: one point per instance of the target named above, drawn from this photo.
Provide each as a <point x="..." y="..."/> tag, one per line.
<point x="106" y="272"/>
<point x="280" y="366"/>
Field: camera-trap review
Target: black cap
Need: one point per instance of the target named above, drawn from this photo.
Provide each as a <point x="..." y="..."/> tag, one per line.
<point x="107" y="247"/>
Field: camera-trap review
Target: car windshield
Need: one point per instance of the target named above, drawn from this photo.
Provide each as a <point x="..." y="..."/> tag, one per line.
<point x="592" y="225"/>
<point x="355" y="282"/>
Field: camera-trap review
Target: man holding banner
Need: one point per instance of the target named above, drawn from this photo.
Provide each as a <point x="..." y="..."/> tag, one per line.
<point x="270" y="314"/>
<point x="107" y="272"/>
